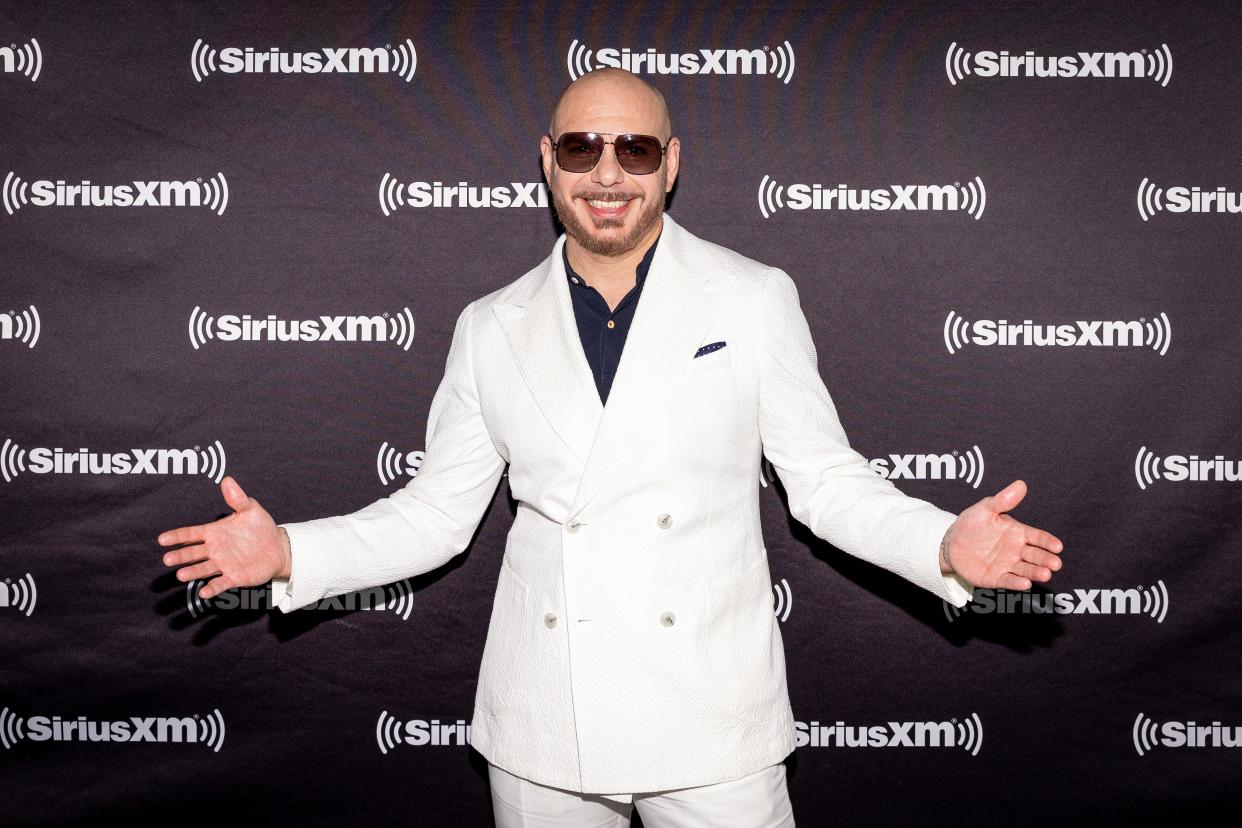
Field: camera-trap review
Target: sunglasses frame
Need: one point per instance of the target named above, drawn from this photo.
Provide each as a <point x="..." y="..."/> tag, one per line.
<point x="556" y="142"/>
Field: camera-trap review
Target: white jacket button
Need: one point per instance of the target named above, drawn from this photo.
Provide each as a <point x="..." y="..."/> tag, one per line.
<point x="549" y="620"/>
<point x="664" y="521"/>
<point x="667" y="619"/>
<point x="573" y="525"/>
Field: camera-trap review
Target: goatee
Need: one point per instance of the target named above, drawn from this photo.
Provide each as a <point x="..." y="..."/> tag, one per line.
<point x="602" y="246"/>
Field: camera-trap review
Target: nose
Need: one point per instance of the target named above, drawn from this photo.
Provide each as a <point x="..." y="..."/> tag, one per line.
<point x="607" y="171"/>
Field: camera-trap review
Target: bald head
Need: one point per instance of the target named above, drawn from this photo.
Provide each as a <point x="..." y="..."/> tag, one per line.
<point x="626" y="102"/>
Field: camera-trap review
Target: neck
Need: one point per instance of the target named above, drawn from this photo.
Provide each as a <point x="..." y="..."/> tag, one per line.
<point x="609" y="272"/>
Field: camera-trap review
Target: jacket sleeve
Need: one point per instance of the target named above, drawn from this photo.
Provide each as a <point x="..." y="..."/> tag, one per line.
<point x="831" y="487"/>
<point x="422" y="525"/>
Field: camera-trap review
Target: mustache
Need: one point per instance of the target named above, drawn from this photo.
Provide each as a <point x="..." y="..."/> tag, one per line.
<point x="608" y="195"/>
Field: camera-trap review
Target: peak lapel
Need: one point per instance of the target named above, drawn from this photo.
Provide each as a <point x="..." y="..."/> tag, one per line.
<point x="543" y="338"/>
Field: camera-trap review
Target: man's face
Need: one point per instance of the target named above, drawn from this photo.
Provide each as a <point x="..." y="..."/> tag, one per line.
<point x="607" y="210"/>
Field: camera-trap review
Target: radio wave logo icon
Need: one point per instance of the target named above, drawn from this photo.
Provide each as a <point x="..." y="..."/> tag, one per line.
<point x="1160" y="64"/>
<point x="391" y="194"/>
<point x="970" y="466"/>
<point x="15" y="193"/>
<point x="956" y="63"/>
<point x="783" y="600"/>
<point x="956" y="332"/>
<point x="391" y="463"/>
<point x="771" y="196"/>
<point x="25" y="59"/>
<point x="12" y="460"/>
<point x="970" y="733"/>
<point x="1146" y="734"/>
<point x="12" y="728"/>
<point x="1146" y="467"/>
<point x="578" y="60"/>
<point x="781" y="61"/>
<point x="974" y="197"/>
<point x="212" y="460"/>
<point x="216" y="191"/>
<point x="387" y="732"/>
<point x="24" y="326"/>
<point x="20" y="595"/>
<point x="202" y="60"/>
<point x="1156" y="601"/>
<point x="1149" y="199"/>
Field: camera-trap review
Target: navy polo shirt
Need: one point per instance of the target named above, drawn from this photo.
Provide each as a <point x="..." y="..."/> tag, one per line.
<point x="601" y="330"/>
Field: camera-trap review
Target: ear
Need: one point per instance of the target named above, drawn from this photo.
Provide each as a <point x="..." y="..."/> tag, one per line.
<point x="545" y="153"/>
<point x="672" y="158"/>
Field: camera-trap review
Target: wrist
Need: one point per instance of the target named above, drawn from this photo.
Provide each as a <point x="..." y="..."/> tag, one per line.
<point x="946" y="566"/>
<point x="286" y="569"/>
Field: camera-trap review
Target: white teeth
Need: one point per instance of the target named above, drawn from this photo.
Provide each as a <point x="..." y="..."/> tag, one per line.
<point x="607" y="205"/>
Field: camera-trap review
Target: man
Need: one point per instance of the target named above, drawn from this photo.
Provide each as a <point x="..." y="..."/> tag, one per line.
<point x="632" y="658"/>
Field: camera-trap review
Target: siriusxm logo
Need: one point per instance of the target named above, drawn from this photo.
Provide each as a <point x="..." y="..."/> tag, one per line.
<point x="24" y="59"/>
<point x="20" y="595"/>
<point x="399" y="328"/>
<point x="1148" y="735"/>
<point x="1178" y="468"/>
<point x="967" y="466"/>
<point x="966" y="733"/>
<point x="1157" y="64"/>
<point x="970" y="198"/>
<point x="205" y="730"/>
<point x="21" y="326"/>
<point x="47" y="460"/>
<point x="212" y="194"/>
<point x="1141" y="333"/>
<point x="778" y="62"/>
<point x="400" y="60"/>
<point x="1152" y="601"/>
<point x="391" y="464"/>
<point x="1152" y="199"/>
<point x="391" y="732"/>
<point x="394" y="194"/>
<point x="396" y="597"/>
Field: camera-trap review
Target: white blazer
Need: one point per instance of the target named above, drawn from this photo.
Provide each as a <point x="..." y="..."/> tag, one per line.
<point x="632" y="644"/>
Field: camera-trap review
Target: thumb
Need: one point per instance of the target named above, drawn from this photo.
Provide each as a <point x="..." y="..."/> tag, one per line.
<point x="1008" y="497"/>
<point x="233" y="494"/>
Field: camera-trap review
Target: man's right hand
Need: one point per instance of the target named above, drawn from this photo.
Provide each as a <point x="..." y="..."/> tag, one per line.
<point x="246" y="548"/>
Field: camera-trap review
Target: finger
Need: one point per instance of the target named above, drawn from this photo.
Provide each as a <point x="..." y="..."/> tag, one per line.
<point x="1031" y="572"/>
<point x="233" y="494"/>
<point x="1011" y="581"/>
<point x="1007" y="498"/>
<point x="186" y="534"/>
<point x="185" y="555"/>
<point x="199" y="571"/>
<point x="1041" y="557"/>
<point x="1049" y="541"/>
<point x="214" y="587"/>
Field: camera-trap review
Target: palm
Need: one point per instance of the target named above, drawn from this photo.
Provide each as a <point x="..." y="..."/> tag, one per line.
<point x="243" y="549"/>
<point x="990" y="549"/>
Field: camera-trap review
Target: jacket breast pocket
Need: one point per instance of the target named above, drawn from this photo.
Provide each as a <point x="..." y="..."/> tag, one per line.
<point x="507" y="636"/>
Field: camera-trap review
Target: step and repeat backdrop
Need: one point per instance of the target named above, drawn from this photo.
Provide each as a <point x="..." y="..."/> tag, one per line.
<point x="235" y="238"/>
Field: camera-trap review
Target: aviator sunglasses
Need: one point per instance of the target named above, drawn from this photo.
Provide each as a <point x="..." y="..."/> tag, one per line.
<point x="579" y="152"/>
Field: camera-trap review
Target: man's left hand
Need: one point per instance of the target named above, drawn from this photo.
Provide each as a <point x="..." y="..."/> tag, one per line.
<point x="990" y="549"/>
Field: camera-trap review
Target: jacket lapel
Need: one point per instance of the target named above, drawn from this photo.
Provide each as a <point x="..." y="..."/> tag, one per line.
<point x="543" y="337"/>
<point x="681" y="298"/>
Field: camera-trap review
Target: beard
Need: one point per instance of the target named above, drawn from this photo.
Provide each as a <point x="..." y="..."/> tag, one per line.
<point x="582" y="233"/>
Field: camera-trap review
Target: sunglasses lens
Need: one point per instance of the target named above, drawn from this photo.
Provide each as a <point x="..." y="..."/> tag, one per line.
<point x="578" y="151"/>
<point x="638" y="154"/>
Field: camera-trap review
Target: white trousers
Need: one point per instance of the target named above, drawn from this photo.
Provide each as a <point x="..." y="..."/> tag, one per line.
<point x="760" y="800"/>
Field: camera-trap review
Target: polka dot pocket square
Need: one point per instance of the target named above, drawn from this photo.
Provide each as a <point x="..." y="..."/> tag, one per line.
<point x="707" y="349"/>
